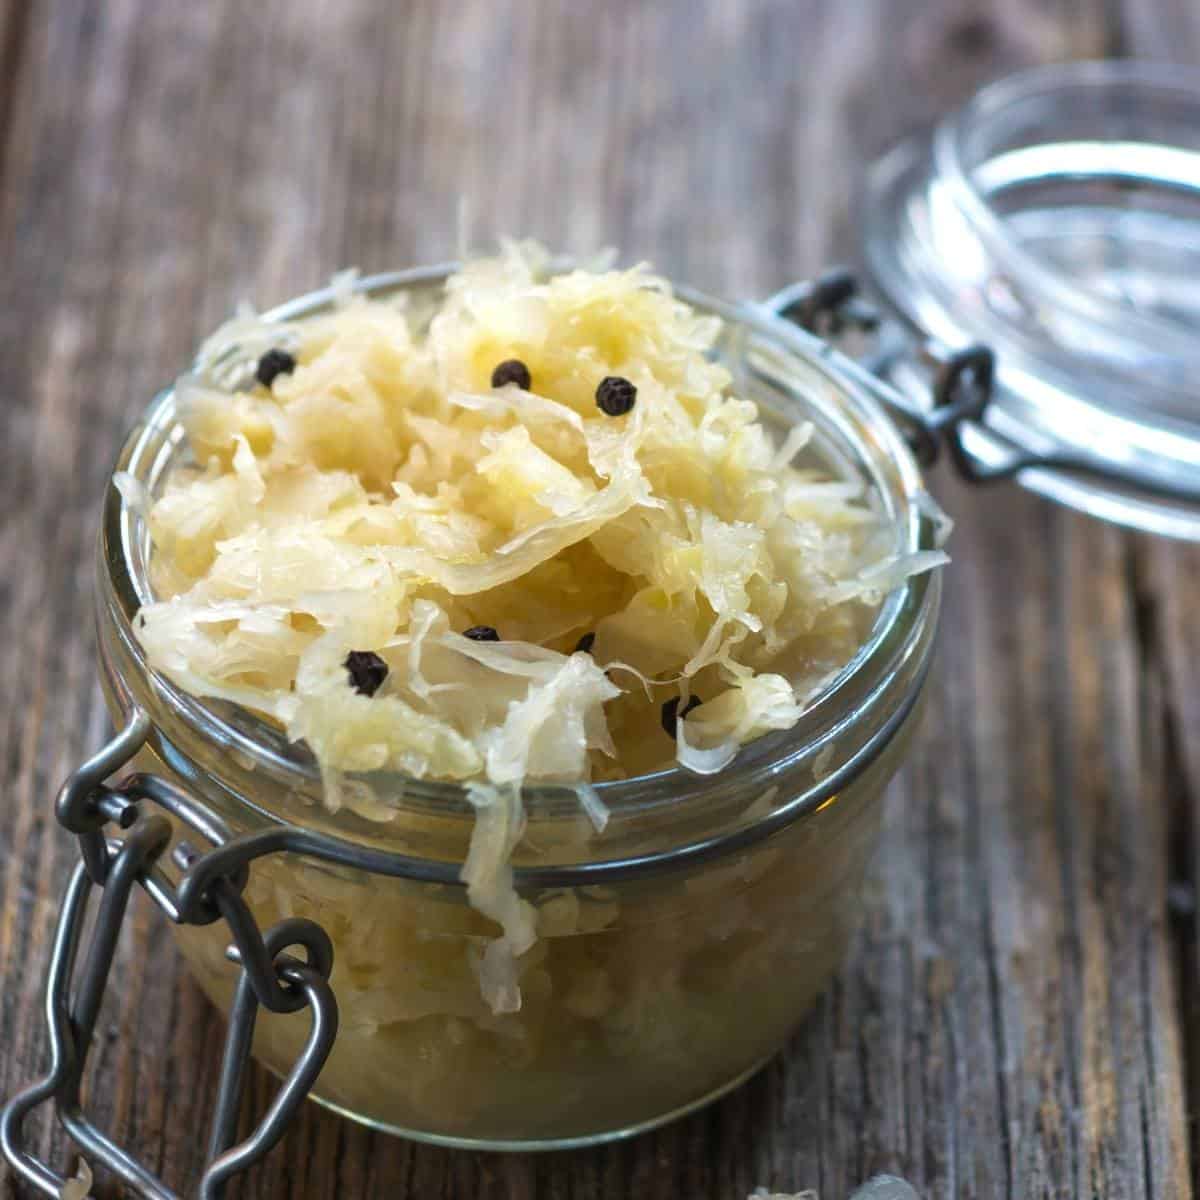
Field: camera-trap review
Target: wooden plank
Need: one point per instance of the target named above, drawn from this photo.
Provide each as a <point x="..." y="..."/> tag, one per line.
<point x="1168" y="31"/>
<point x="1166" y="581"/>
<point x="1008" y="1023"/>
<point x="1163" y="580"/>
<point x="14" y="28"/>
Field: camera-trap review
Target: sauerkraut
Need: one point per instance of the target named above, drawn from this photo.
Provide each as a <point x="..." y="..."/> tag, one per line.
<point x="79" y="1186"/>
<point x="420" y="574"/>
<point x="639" y="999"/>
<point x="382" y="496"/>
<point x="534" y="535"/>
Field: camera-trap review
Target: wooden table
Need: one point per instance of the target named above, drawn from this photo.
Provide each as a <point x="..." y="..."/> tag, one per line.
<point x="1019" y="1017"/>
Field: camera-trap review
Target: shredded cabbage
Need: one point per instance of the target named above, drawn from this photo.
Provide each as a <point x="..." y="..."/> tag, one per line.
<point x="499" y="823"/>
<point x="383" y="497"/>
<point x="79" y="1186"/>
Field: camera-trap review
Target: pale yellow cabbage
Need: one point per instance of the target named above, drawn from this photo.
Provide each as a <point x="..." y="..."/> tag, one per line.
<point x="384" y="497"/>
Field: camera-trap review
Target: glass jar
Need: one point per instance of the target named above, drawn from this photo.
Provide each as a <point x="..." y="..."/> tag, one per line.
<point x="676" y="950"/>
<point x="1055" y="217"/>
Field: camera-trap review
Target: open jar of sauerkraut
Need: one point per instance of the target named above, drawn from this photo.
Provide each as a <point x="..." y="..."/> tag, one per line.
<point x="663" y="929"/>
<point x="559" y="956"/>
<point x="669" y="954"/>
<point x="675" y="950"/>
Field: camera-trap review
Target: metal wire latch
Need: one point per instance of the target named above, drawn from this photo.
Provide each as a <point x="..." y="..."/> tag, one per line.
<point x="209" y="889"/>
<point x="960" y="383"/>
<point x="831" y="307"/>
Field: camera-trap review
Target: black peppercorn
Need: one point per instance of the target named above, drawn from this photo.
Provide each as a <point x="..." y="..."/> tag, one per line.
<point x="585" y="644"/>
<point x="512" y="370"/>
<point x="670" y="710"/>
<point x="615" y="396"/>
<point x="367" y="671"/>
<point x="481" y="633"/>
<point x="274" y="362"/>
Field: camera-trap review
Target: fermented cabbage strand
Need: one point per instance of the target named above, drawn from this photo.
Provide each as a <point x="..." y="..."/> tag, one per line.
<point x="384" y="497"/>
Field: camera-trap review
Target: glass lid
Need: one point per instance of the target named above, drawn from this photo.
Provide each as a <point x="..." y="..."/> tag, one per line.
<point x="1056" y="218"/>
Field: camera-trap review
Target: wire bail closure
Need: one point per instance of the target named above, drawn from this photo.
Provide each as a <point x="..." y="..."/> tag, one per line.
<point x="960" y="383"/>
<point x="272" y="975"/>
<point x="832" y="308"/>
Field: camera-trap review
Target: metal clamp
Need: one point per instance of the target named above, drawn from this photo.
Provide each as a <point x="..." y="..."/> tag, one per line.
<point x="271" y="976"/>
<point x="827" y="306"/>
<point x="831" y="307"/>
<point x="961" y="384"/>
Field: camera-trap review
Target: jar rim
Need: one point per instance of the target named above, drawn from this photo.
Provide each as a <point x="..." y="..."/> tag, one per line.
<point x="1102" y="80"/>
<point x="906" y="614"/>
<point x="971" y="233"/>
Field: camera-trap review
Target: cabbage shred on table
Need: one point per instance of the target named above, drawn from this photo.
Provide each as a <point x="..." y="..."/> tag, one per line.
<point x="384" y="497"/>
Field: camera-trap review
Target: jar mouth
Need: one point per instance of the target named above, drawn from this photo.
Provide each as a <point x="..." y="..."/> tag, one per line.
<point x="852" y="432"/>
<point x="1056" y="218"/>
<point x="1037" y="192"/>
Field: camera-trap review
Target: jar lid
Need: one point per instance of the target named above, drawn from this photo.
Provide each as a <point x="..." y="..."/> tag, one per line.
<point x="1056" y="218"/>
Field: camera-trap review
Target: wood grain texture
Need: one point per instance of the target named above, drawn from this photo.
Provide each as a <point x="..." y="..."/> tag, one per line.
<point x="1018" y="1019"/>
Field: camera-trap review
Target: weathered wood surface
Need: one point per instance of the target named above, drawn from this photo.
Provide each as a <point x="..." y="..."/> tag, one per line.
<point x="1018" y="1019"/>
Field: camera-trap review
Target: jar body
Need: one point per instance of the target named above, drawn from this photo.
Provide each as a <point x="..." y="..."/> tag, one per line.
<point x="640" y="1000"/>
<point x="675" y="951"/>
